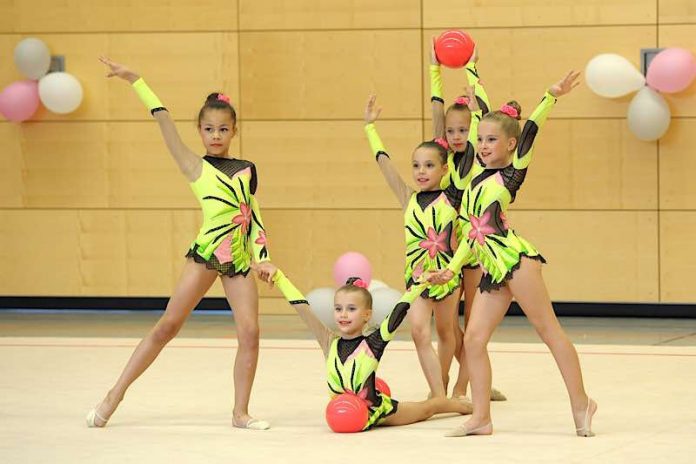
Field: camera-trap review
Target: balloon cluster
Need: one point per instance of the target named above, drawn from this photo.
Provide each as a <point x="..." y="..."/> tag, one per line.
<point x="60" y="92"/>
<point x="671" y="71"/>
<point x="353" y="264"/>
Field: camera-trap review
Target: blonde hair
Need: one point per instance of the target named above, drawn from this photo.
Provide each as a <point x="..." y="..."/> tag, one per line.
<point x="510" y="125"/>
<point x="351" y="287"/>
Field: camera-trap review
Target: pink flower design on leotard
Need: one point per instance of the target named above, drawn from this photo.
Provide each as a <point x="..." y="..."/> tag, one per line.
<point x="243" y="218"/>
<point x="480" y="227"/>
<point x="223" y="252"/>
<point x="262" y="238"/>
<point x="434" y="243"/>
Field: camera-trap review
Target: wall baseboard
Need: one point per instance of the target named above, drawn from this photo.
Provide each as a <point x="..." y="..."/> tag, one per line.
<point x="657" y="310"/>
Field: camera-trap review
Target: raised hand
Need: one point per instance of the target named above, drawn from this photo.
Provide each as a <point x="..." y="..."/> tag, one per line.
<point x="372" y="111"/>
<point x="119" y="70"/>
<point x="471" y="95"/>
<point x="565" y="85"/>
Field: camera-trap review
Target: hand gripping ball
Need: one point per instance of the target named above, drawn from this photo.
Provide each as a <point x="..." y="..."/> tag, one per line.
<point x="454" y="48"/>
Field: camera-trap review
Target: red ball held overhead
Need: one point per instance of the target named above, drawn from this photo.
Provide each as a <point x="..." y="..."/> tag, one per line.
<point x="454" y="48"/>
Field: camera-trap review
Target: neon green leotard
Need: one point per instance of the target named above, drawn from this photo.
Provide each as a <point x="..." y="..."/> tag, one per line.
<point x="232" y="231"/>
<point x="351" y="364"/>
<point x="431" y="229"/>
<point x="484" y="225"/>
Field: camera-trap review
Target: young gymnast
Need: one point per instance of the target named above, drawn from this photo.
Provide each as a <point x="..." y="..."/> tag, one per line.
<point x="352" y="357"/>
<point x="453" y="124"/>
<point x="232" y="235"/>
<point x="432" y="236"/>
<point x="511" y="265"/>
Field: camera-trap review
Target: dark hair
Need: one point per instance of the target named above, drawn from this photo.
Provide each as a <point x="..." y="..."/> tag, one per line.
<point x="510" y="125"/>
<point x="442" y="151"/>
<point x="214" y="102"/>
<point x="351" y="287"/>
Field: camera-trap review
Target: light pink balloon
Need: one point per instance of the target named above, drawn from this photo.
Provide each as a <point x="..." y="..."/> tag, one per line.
<point x="19" y="100"/>
<point x="352" y="264"/>
<point x="672" y="70"/>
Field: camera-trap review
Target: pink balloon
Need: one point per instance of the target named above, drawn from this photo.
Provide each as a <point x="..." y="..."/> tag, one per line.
<point x="672" y="70"/>
<point x="351" y="264"/>
<point x="19" y="100"/>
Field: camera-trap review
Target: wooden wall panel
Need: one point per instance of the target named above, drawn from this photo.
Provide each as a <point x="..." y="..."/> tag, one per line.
<point x="595" y="255"/>
<point x="677" y="256"/>
<point x="515" y="13"/>
<point x="521" y="63"/>
<point x="64" y="164"/>
<point x="329" y="75"/>
<point x="329" y="14"/>
<point x="677" y="165"/>
<point x="40" y="253"/>
<point x="32" y="16"/>
<point x="181" y="68"/>
<point x="677" y="11"/>
<point x="11" y="182"/>
<point x="326" y="164"/>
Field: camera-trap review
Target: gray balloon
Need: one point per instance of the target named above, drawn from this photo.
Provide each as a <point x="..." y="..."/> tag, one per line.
<point x="32" y="58"/>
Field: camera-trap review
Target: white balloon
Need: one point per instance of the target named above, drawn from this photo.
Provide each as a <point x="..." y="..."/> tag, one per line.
<point x="60" y="92"/>
<point x="648" y="115"/>
<point x="611" y="75"/>
<point x="321" y="300"/>
<point x="32" y="58"/>
<point x="375" y="284"/>
<point x="383" y="301"/>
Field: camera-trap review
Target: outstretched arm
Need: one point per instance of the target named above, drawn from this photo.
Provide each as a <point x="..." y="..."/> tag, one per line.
<point x="437" y="101"/>
<point x="189" y="163"/>
<point x="523" y="154"/>
<point x="388" y="327"/>
<point x="391" y="175"/>
<point x="323" y="335"/>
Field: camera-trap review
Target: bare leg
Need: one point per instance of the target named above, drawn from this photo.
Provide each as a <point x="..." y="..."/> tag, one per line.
<point x="420" y="314"/>
<point x="243" y="297"/>
<point x="195" y="280"/>
<point x="527" y="285"/>
<point x="412" y="412"/>
<point x="487" y="312"/>
<point x="445" y="311"/>
<point x="472" y="277"/>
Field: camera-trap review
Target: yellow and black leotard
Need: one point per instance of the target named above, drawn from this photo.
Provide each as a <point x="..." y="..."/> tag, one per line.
<point x="232" y="233"/>
<point x="484" y="203"/>
<point x="351" y="364"/>
<point x="431" y="229"/>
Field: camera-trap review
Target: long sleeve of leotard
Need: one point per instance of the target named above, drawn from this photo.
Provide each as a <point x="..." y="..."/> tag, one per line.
<point x="322" y="333"/>
<point x="523" y="154"/>
<point x="391" y="175"/>
<point x="465" y="161"/>
<point x="437" y="101"/>
<point x="189" y="163"/>
<point x="472" y="78"/>
<point x="259" y="246"/>
<point x="461" y="256"/>
<point x="388" y="327"/>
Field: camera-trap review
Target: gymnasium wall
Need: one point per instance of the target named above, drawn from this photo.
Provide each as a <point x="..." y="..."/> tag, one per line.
<point x="92" y="205"/>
